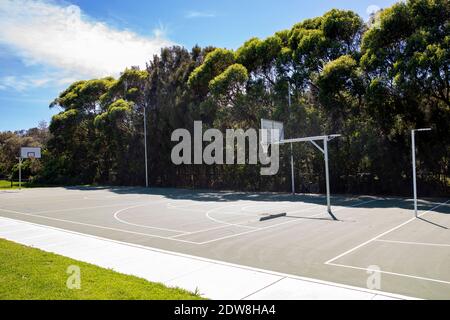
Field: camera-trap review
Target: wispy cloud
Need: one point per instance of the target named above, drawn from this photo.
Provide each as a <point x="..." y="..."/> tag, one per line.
<point x="26" y="100"/>
<point x="372" y="9"/>
<point x="63" y="37"/>
<point x="25" y="82"/>
<point x="199" y="14"/>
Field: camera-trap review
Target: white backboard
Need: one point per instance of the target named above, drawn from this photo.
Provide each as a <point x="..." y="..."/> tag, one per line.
<point x="30" y="152"/>
<point x="273" y="131"/>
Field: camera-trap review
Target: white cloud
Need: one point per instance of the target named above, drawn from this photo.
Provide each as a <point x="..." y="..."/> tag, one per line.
<point x="199" y="14"/>
<point x="372" y="9"/>
<point x="23" y="83"/>
<point x="61" y="36"/>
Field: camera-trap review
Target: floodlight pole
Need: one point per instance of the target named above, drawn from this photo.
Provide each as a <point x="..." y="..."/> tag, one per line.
<point x="292" y="155"/>
<point x="413" y="152"/>
<point x="145" y="144"/>
<point x="292" y="172"/>
<point x="327" y="174"/>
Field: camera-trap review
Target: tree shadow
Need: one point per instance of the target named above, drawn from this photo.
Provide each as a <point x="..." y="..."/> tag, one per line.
<point x="204" y="195"/>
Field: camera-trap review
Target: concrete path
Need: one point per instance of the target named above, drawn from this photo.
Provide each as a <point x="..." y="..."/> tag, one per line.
<point x="213" y="279"/>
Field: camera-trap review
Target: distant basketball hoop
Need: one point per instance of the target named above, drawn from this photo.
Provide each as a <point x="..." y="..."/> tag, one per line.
<point x="27" y="153"/>
<point x="30" y="152"/>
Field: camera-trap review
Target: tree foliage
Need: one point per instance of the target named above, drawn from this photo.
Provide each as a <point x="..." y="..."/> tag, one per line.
<point x="372" y="82"/>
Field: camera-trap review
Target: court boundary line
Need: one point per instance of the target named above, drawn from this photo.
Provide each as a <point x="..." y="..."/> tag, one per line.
<point x="414" y="243"/>
<point x="389" y="272"/>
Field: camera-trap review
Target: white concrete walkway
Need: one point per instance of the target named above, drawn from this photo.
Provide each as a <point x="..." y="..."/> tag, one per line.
<point x="213" y="279"/>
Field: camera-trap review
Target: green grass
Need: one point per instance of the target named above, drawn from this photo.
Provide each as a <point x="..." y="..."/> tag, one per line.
<point x="29" y="273"/>
<point x="6" y="184"/>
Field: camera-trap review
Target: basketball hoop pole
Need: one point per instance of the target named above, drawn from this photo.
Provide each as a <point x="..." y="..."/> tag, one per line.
<point x="20" y="173"/>
<point x="327" y="176"/>
<point x="324" y="151"/>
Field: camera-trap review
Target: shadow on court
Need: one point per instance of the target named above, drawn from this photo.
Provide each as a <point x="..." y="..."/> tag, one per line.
<point x="316" y="199"/>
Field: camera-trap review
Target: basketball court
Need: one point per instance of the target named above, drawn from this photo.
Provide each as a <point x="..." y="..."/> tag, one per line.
<point x="291" y="234"/>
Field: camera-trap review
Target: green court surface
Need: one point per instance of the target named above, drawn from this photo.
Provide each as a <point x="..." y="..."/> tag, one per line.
<point x="411" y="255"/>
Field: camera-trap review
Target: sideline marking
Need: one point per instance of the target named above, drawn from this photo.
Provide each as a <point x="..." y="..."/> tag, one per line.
<point x="416" y="243"/>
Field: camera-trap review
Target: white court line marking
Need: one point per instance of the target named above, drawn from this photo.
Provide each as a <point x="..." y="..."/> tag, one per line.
<point x="388" y="272"/>
<point x="97" y="226"/>
<point x="263" y="228"/>
<point x="169" y="238"/>
<point x="199" y="231"/>
<point x="305" y="208"/>
<point x="82" y="208"/>
<point x="243" y="214"/>
<point x="416" y="243"/>
<point x="239" y="213"/>
<point x="273" y="206"/>
<point x="207" y="214"/>
<point x="202" y="210"/>
<point x="383" y="234"/>
<point x="115" y="229"/>
<point x="116" y="216"/>
<point x="283" y="223"/>
<point x="189" y="204"/>
<point x="97" y="207"/>
<point x="198" y="210"/>
<point x="291" y="203"/>
<point x="47" y="198"/>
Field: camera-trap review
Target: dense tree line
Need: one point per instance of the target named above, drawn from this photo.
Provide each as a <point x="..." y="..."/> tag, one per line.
<point x="372" y="82"/>
<point x="10" y="144"/>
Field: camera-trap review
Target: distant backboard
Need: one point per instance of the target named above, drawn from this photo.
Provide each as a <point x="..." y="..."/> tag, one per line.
<point x="273" y="131"/>
<point x="30" y="152"/>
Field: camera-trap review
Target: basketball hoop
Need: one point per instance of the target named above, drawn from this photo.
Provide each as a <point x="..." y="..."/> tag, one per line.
<point x="30" y="152"/>
<point x="27" y="153"/>
<point x="272" y="132"/>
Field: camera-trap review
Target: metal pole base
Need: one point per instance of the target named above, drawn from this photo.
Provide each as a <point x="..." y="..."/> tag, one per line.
<point x="332" y="215"/>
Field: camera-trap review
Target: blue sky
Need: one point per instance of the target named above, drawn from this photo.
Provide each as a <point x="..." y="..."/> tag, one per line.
<point x="46" y="45"/>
